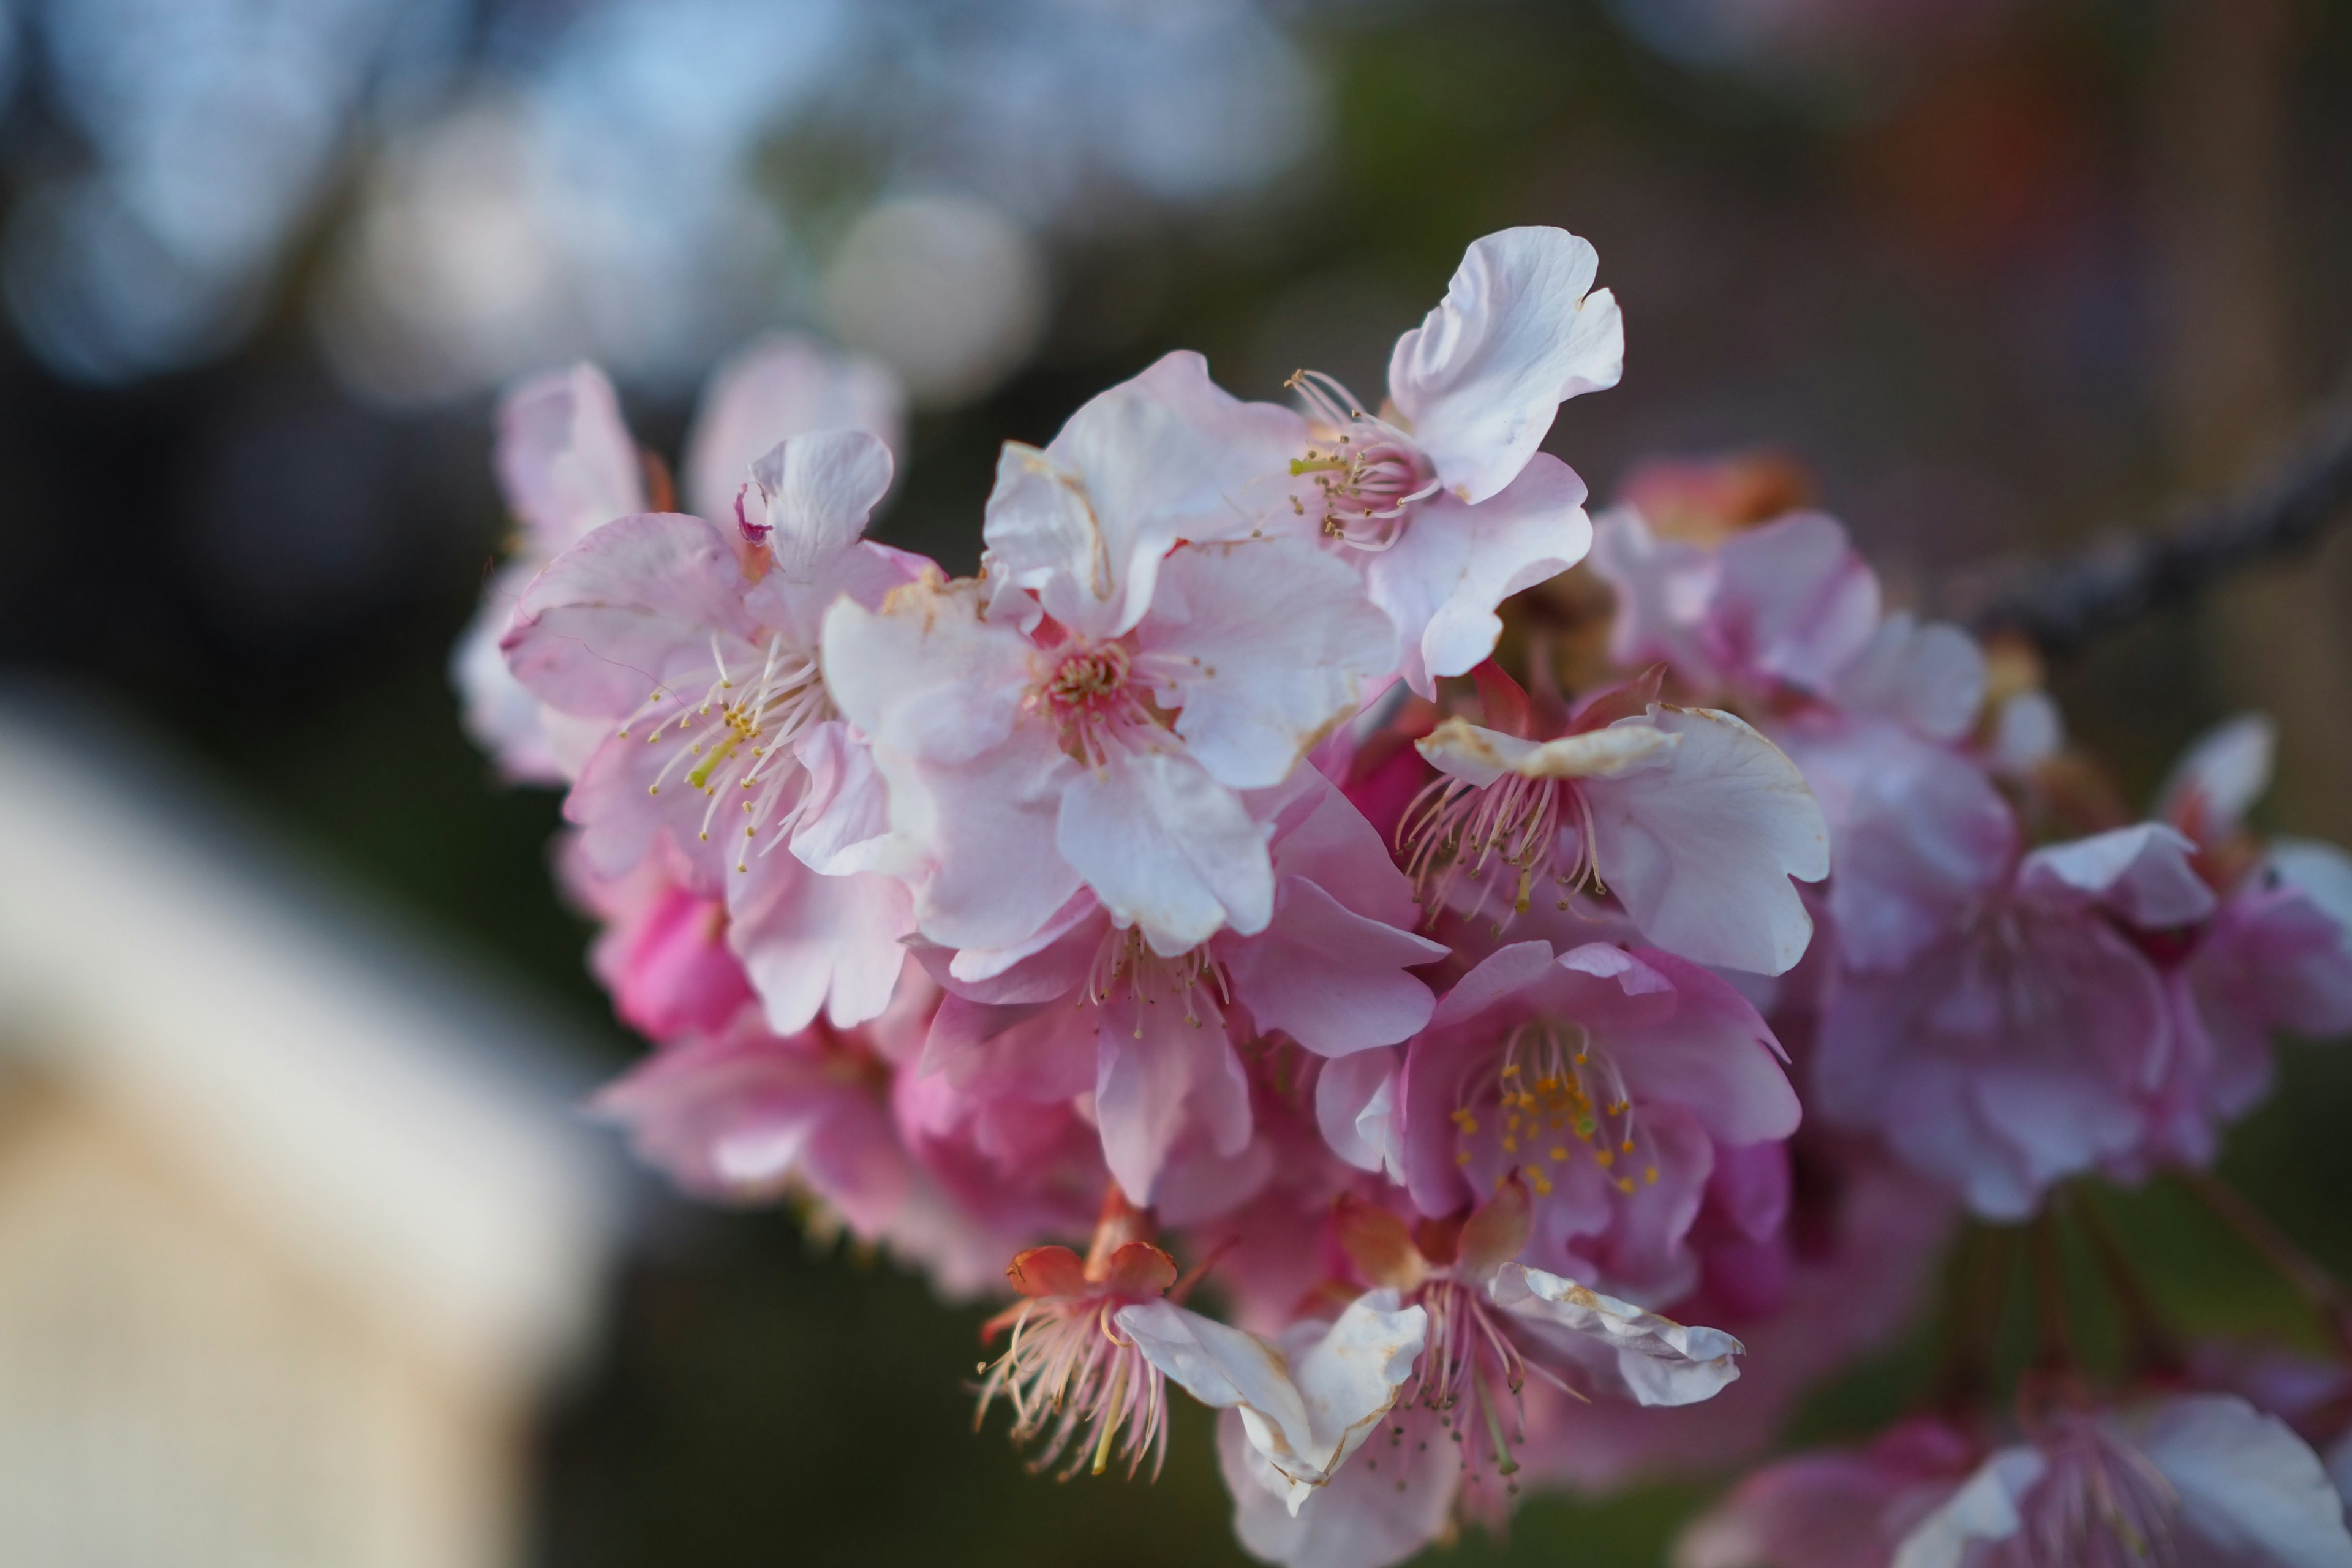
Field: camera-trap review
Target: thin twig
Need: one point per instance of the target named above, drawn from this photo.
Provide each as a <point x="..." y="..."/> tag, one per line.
<point x="2060" y="605"/>
<point x="2286" y="1257"/>
<point x="2150" y="1345"/>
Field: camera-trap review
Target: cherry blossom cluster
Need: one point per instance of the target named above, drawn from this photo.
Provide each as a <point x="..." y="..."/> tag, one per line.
<point x="1316" y="873"/>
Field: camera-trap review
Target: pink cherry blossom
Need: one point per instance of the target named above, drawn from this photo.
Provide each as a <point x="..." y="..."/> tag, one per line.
<point x="1692" y="821"/>
<point x="1027" y="757"/>
<point x="736" y="760"/>
<point x="742" y="1115"/>
<point x="1989" y="1014"/>
<point x="1839" y="1509"/>
<point x="567" y="464"/>
<point x="1613" y="1078"/>
<point x="1441" y="497"/>
<point x="1091" y="1007"/>
<point x="2201" y="1480"/>
<point x="1492" y="1324"/>
<point x="663" y="952"/>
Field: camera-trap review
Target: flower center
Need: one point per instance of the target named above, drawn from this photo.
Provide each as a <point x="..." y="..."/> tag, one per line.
<point x="1366" y="472"/>
<point x="2101" y="1504"/>
<point x="1070" y="1374"/>
<point x="1455" y="830"/>
<point x="1098" y="696"/>
<point x="1467" y="1352"/>
<point x="1555" y="1098"/>
<point x="736" y="742"/>
<point x="1126" y="968"/>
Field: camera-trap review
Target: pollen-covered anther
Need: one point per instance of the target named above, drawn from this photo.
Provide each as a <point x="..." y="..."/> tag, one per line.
<point x="1367" y="473"/>
<point x="1560" y="1100"/>
<point x="741" y="731"/>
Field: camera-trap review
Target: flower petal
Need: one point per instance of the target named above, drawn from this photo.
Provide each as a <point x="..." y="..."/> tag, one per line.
<point x="1516" y="334"/>
<point x="1701" y="851"/>
<point x="819" y="490"/>
<point x="1307" y="1405"/>
<point x="782" y="386"/>
<point x="1455" y="562"/>
<point x="564" y="458"/>
<point x="630" y="609"/>
<point x="1277" y="647"/>
<point x="1160" y="1075"/>
<point x="1167" y="849"/>
<point x="1653" y="1360"/>
<point x="1330" y="978"/>
<point x="2250" y="1490"/>
<point x="2143" y="872"/>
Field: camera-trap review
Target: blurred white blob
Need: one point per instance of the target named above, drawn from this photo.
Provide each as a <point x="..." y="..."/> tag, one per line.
<point x="599" y="179"/>
<point x="448" y="277"/>
<point x="947" y="291"/>
<point x="212" y="127"/>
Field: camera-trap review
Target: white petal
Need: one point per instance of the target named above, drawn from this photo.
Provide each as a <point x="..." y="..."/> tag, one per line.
<point x="780" y="388"/>
<point x="1984" y="1508"/>
<point x="1278" y="645"/>
<point x="2320" y="872"/>
<point x="820" y="490"/>
<point x="2226" y="771"/>
<point x="1305" y="1410"/>
<point x="2142" y="872"/>
<point x="1393" y="1497"/>
<point x="1461" y="750"/>
<point x="2251" y="1491"/>
<point x="1655" y="1360"/>
<point x="1516" y="334"/>
<point x="1167" y="849"/>
<point x="1700" y="852"/>
<point x="1167" y="455"/>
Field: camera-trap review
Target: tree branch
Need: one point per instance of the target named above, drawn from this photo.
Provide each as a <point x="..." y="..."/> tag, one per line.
<point x="2061" y="605"/>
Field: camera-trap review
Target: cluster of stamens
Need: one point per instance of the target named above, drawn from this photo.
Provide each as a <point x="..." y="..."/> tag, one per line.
<point x="1097" y="695"/>
<point x="1070" y="1372"/>
<point x="1560" y="1099"/>
<point x="1455" y="830"/>
<point x="736" y="742"/>
<point x="1465" y="1352"/>
<point x="2100" y="1504"/>
<point x="1366" y="472"/>
<point x="1124" y="966"/>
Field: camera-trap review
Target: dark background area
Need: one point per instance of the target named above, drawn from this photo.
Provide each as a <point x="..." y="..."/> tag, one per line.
<point x="2000" y="275"/>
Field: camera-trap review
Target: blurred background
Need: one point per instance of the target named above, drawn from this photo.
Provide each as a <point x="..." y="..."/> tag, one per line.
<point x="2002" y="274"/>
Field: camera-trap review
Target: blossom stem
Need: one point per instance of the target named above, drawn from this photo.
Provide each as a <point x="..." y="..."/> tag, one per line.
<point x="1976" y="1307"/>
<point x="2055" y="1374"/>
<point x="2061" y="605"/>
<point x="2153" y="1347"/>
<point x="2309" y="1278"/>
